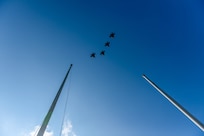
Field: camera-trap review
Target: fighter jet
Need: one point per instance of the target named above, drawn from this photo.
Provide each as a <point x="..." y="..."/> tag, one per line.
<point x="107" y="44"/>
<point x="93" y="55"/>
<point x="112" y="35"/>
<point x="102" y="52"/>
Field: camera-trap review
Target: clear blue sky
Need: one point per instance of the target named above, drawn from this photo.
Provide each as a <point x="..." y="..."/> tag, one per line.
<point x="108" y="96"/>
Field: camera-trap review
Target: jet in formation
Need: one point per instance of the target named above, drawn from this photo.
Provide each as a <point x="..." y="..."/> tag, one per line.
<point x="93" y="55"/>
<point x="112" y="35"/>
<point x="102" y="52"/>
<point x="107" y="44"/>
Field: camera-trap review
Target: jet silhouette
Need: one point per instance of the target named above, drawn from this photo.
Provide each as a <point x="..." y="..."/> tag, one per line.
<point x="93" y="55"/>
<point x="102" y="52"/>
<point x="112" y="35"/>
<point x="107" y="44"/>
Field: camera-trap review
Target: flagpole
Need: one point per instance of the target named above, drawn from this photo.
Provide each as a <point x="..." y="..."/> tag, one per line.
<point x="52" y="107"/>
<point x="176" y="104"/>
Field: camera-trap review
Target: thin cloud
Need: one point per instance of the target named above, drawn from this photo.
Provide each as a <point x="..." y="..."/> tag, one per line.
<point x="67" y="129"/>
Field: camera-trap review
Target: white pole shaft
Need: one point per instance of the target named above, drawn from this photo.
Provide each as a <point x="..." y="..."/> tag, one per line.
<point x="176" y="104"/>
<point x="52" y="107"/>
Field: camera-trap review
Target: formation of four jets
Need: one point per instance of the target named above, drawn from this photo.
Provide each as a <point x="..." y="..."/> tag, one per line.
<point x="107" y="44"/>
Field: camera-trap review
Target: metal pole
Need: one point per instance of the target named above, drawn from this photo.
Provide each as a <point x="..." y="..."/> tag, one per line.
<point x="176" y="104"/>
<point x="49" y="114"/>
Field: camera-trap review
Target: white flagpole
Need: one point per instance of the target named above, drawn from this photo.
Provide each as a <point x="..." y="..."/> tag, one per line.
<point x="52" y="107"/>
<point x="176" y="104"/>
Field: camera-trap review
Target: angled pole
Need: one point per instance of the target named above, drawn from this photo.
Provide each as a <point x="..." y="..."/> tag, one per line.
<point x="176" y="104"/>
<point x="52" y="107"/>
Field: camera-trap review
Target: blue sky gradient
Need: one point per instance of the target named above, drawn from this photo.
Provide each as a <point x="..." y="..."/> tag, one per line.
<point x="108" y="96"/>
